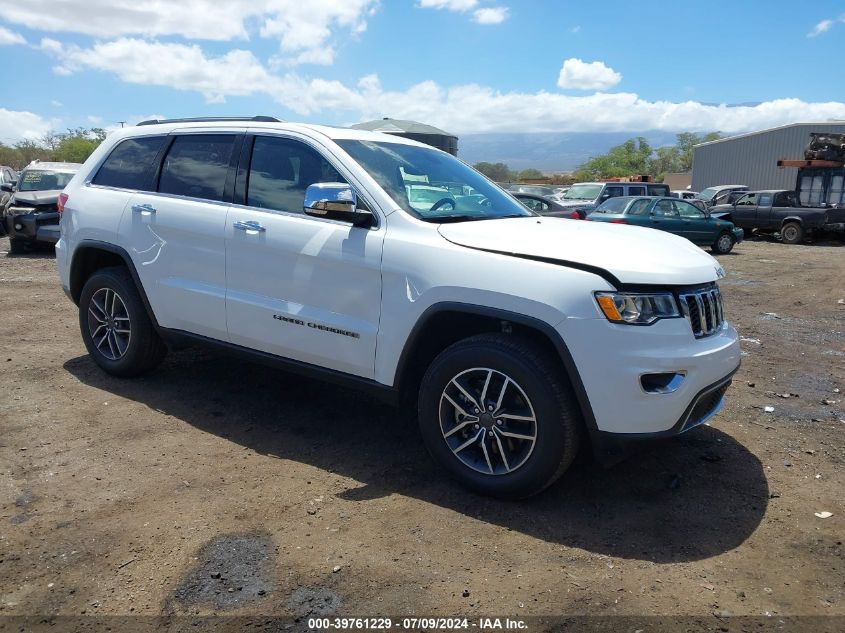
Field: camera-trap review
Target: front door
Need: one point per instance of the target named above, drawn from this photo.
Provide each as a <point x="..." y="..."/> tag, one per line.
<point x="300" y="287"/>
<point x="695" y="225"/>
<point x="745" y="211"/>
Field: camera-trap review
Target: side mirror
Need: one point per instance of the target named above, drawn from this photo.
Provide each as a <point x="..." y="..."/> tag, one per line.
<point x="8" y="187"/>
<point x="334" y="200"/>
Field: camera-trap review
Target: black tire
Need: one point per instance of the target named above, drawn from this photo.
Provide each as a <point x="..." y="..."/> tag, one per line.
<point x="18" y="246"/>
<point x="724" y="244"/>
<point x="557" y="419"/>
<point x="144" y="349"/>
<point x="792" y="233"/>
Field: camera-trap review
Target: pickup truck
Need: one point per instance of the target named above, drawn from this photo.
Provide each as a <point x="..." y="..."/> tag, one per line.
<point x="779" y="211"/>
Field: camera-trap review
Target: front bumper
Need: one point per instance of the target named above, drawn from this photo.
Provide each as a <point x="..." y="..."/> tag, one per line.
<point x="612" y="360"/>
<point x="739" y="235"/>
<point x="33" y="226"/>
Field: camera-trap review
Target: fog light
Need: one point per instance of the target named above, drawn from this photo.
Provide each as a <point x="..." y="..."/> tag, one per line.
<point x="662" y="383"/>
<point x="18" y="227"/>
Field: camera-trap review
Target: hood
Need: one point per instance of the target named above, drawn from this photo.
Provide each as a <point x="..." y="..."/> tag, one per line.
<point x="630" y="254"/>
<point x="37" y="198"/>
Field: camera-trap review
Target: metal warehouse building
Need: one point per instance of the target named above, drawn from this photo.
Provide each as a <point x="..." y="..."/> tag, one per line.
<point x="751" y="159"/>
<point x="421" y="132"/>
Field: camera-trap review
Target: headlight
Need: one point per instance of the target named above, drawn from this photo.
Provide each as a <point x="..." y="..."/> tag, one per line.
<point x="635" y="308"/>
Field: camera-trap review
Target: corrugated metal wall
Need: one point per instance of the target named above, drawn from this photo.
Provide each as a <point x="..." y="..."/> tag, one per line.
<point x="752" y="159"/>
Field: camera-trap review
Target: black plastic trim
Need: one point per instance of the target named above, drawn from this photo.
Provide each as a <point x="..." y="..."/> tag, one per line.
<point x="117" y="250"/>
<point x="209" y="119"/>
<point x="513" y="317"/>
<point x="385" y="393"/>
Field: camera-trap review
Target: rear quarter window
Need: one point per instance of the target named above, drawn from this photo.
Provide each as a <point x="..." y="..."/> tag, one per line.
<point x="130" y="164"/>
<point x="658" y="190"/>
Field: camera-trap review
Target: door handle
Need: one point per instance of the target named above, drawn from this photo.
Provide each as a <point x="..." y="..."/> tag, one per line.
<point x="249" y="225"/>
<point x="145" y="209"/>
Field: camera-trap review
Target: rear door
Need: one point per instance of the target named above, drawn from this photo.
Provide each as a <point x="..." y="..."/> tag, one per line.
<point x="764" y="210"/>
<point x="301" y="287"/>
<point x="175" y="234"/>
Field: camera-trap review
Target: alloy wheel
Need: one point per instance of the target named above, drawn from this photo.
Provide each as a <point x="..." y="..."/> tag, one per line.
<point x="109" y="324"/>
<point x="487" y="421"/>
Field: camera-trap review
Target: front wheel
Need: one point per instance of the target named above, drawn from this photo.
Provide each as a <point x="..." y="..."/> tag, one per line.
<point x="724" y="244"/>
<point x="496" y="413"/>
<point x="115" y="325"/>
<point x="792" y="233"/>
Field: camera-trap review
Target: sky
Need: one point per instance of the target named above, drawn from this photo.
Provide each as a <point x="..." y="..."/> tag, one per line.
<point x="467" y="66"/>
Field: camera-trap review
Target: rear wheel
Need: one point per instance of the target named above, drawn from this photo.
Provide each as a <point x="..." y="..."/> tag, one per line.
<point x="792" y="233"/>
<point x="496" y="413"/>
<point x="115" y="326"/>
<point x="724" y="243"/>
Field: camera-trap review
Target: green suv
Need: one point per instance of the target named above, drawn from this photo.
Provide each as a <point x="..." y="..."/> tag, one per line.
<point x="672" y="215"/>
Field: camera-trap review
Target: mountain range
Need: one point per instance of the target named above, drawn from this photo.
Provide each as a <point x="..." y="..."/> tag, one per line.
<point x="548" y="152"/>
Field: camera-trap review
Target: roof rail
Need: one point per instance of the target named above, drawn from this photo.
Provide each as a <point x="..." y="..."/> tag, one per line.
<point x="206" y="119"/>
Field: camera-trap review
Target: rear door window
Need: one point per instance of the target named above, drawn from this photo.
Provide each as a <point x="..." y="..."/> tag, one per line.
<point x="765" y="200"/>
<point x="197" y="165"/>
<point x="130" y="164"/>
<point x="636" y="191"/>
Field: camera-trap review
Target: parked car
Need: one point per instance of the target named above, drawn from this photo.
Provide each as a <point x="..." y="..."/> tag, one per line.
<point x="548" y="206"/>
<point x="722" y="194"/>
<point x="684" y="194"/>
<point x="31" y="213"/>
<point x="9" y="178"/>
<point x="672" y="215"/>
<point x="587" y="196"/>
<point x="537" y="190"/>
<point x="299" y="246"/>
<point x="779" y="211"/>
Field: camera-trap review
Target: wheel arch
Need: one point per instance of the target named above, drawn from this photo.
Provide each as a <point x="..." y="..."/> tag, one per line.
<point x="443" y="324"/>
<point x="92" y="255"/>
<point x="792" y="218"/>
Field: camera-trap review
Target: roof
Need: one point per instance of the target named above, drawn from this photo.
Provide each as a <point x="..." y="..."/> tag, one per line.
<point x="840" y="123"/>
<point x="72" y="167"/>
<point x="333" y="133"/>
<point x="398" y="126"/>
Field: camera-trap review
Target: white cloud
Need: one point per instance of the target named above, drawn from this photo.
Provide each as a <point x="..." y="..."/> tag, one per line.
<point x="451" y="5"/>
<point x="821" y="27"/>
<point x="587" y="76"/>
<point x="56" y="103"/>
<point x="575" y="29"/>
<point x="305" y="29"/>
<point x="825" y="25"/>
<point x="462" y="109"/>
<point x="18" y="125"/>
<point x="490" y="15"/>
<point x="8" y="37"/>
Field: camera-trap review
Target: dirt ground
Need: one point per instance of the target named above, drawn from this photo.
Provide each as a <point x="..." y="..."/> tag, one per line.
<point x="218" y="486"/>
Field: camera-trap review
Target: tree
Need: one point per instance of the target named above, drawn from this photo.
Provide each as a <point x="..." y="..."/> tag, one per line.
<point x="498" y="172"/>
<point x="73" y="146"/>
<point x="635" y="156"/>
<point x="627" y="159"/>
<point x="530" y="174"/>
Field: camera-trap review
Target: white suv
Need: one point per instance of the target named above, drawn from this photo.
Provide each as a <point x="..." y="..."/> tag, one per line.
<point x="517" y="337"/>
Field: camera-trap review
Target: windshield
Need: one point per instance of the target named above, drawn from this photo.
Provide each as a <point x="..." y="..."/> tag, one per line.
<point x="432" y="185"/>
<point x="43" y="180"/>
<point x="583" y="192"/>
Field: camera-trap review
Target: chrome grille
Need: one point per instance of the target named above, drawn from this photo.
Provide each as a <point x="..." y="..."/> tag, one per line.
<point x="703" y="309"/>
